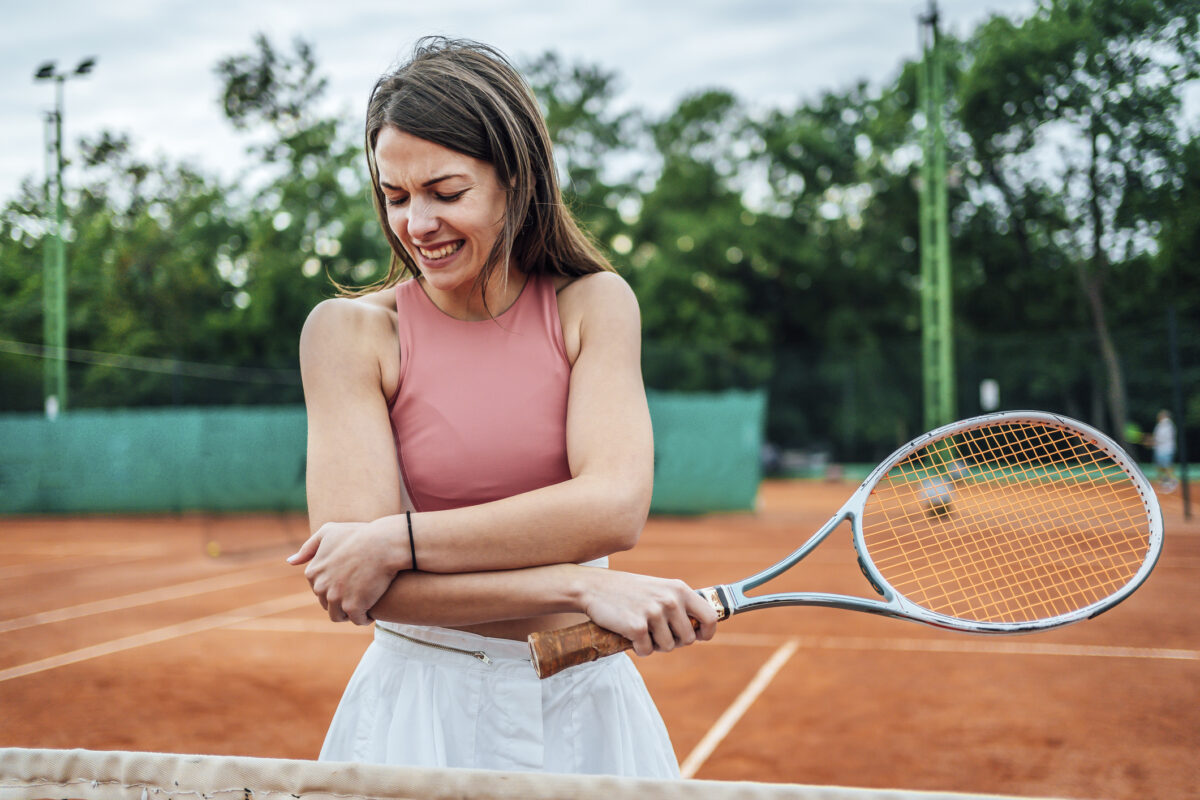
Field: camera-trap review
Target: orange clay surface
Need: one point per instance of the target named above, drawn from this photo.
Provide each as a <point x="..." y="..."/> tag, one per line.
<point x="189" y="634"/>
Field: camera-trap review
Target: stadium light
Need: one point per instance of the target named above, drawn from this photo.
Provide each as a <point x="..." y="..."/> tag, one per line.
<point x="54" y="264"/>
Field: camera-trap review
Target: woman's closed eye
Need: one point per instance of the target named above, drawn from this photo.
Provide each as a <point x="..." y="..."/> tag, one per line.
<point x="444" y="198"/>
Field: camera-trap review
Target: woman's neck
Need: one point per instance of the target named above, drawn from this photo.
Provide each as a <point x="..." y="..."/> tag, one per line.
<point x="501" y="291"/>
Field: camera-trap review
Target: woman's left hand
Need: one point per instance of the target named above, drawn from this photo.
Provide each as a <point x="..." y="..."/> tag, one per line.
<point x="350" y="566"/>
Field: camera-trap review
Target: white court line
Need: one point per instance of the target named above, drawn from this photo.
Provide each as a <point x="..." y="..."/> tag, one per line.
<point x="176" y="592"/>
<point x="275" y="606"/>
<point x="135" y="553"/>
<point x="964" y="645"/>
<point x="286" y="625"/>
<point x="967" y="645"/>
<point x="717" y="733"/>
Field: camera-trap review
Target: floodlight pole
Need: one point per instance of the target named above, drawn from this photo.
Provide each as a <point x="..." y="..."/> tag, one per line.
<point x="937" y="339"/>
<point x="54" y="263"/>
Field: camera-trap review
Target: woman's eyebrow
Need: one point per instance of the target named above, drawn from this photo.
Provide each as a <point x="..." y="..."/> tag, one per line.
<point x="424" y="185"/>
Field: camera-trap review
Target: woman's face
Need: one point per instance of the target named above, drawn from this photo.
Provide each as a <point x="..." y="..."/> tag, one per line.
<point x="444" y="207"/>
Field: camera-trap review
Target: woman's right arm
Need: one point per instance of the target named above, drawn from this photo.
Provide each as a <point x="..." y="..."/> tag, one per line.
<point x="351" y="473"/>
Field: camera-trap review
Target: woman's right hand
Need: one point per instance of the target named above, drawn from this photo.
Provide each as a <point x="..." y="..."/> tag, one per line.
<point x="653" y="613"/>
<point x="351" y="564"/>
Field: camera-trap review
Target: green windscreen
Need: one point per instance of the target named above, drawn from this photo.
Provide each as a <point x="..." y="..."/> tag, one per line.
<point x="251" y="458"/>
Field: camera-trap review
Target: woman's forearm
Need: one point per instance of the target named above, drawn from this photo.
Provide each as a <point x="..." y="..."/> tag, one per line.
<point x="653" y="613"/>
<point x="570" y="522"/>
<point x="472" y="598"/>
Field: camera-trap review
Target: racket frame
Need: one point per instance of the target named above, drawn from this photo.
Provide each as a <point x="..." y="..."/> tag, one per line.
<point x="730" y="599"/>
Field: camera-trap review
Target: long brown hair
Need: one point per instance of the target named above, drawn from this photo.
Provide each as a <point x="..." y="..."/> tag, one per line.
<point x="467" y="97"/>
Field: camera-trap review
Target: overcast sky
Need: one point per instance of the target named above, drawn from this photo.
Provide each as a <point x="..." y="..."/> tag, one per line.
<point x="154" y="78"/>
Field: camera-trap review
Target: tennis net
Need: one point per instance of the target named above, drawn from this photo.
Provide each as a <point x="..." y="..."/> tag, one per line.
<point x="94" y="775"/>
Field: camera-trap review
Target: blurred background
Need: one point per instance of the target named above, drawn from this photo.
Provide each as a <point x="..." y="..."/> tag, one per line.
<point x="194" y="177"/>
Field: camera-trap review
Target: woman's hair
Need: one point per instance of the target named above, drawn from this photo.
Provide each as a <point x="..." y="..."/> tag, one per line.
<point x="467" y="97"/>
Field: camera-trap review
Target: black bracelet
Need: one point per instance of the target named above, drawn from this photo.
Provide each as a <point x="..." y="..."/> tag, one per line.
<point x="412" y="548"/>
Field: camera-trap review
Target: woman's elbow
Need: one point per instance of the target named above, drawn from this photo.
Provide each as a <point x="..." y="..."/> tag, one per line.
<point x="628" y="509"/>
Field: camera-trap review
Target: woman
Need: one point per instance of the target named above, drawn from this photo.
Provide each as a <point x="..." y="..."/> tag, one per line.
<point x="479" y="443"/>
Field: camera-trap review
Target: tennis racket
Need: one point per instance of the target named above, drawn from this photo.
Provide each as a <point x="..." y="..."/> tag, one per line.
<point x="1005" y="523"/>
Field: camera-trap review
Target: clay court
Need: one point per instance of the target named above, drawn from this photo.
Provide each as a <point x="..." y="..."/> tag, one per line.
<point x="189" y="634"/>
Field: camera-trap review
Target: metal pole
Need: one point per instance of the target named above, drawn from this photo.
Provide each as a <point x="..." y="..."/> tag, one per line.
<point x="1178" y="409"/>
<point x="49" y="392"/>
<point x="937" y="345"/>
<point x="925" y="207"/>
<point x="945" y="355"/>
<point x="54" y="264"/>
<point x="60" y="258"/>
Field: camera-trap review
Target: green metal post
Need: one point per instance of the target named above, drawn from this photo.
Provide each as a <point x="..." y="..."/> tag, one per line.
<point x="49" y="254"/>
<point x="925" y="210"/>
<point x="54" y="260"/>
<point x="937" y="339"/>
<point x="946" y="406"/>
<point x="60" y="260"/>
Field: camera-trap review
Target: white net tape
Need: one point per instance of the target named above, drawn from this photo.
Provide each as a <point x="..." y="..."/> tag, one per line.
<point x="92" y="775"/>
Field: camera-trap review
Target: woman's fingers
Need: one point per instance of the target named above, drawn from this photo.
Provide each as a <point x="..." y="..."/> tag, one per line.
<point x="702" y="612"/>
<point x="664" y="634"/>
<point x="306" y="551"/>
<point x="655" y="614"/>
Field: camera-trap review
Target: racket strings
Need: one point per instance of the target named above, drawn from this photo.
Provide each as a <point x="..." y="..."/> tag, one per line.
<point x="1042" y="591"/>
<point x="959" y="582"/>
<point x="1007" y="556"/>
<point x="1007" y="523"/>
<point x="1030" y="556"/>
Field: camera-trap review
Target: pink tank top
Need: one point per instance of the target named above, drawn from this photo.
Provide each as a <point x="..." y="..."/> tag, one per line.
<point x="481" y="411"/>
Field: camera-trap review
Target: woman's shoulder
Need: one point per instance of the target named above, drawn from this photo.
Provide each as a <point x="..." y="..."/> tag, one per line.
<point x="353" y="329"/>
<point x="597" y="307"/>
<point x="353" y="315"/>
<point x="602" y="288"/>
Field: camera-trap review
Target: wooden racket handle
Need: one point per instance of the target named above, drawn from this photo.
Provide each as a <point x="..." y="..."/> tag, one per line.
<point x="554" y="651"/>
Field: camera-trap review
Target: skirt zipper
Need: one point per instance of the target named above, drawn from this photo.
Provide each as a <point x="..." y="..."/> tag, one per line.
<point x="477" y="654"/>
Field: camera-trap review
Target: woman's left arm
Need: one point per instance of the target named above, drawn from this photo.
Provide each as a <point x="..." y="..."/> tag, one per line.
<point x="602" y="508"/>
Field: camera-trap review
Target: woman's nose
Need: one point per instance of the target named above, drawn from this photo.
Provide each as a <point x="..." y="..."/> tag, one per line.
<point x="422" y="220"/>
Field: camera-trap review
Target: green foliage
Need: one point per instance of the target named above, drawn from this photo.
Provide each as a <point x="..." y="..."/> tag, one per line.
<point x="693" y="262"/>
<point x="266" y="86"/>
<point x="1073" y="117"/>
<point x="166" y="263"/>
<point x="771" y="247"/>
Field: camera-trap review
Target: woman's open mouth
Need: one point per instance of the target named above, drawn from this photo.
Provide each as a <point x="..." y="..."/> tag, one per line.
<point x="441" y="252"/>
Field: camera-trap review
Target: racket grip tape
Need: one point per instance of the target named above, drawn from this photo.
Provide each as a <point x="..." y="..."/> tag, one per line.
<point x="554" y="651"/>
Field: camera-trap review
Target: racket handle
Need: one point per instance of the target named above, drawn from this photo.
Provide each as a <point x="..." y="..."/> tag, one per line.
<point x="554" y="651"/>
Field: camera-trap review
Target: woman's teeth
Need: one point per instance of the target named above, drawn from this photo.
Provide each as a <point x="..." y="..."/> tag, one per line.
<point x="441" y="252"/>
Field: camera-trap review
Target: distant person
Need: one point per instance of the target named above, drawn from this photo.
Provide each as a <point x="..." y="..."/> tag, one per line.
<point x="1162" y="439"/>
<point x="478" y="443"/>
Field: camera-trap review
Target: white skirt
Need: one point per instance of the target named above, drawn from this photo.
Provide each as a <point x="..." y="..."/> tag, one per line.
<point x="413" y="704"/>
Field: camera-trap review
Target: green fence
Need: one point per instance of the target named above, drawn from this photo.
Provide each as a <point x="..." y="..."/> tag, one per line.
<point x="251" y="458"/>
<point x="707" y="450"/>
<point x="221" y="459"/>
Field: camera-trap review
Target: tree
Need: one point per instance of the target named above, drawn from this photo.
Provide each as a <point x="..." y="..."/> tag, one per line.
<point x="310" y="217"/>
<point x="693" y="255"/>
<point x="1073" y="117"/>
